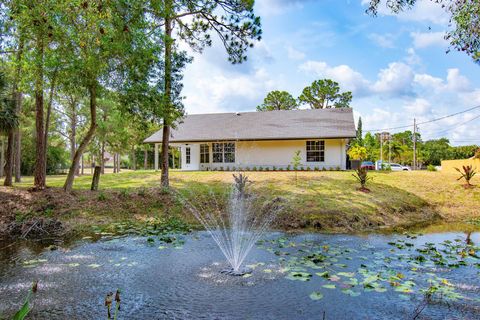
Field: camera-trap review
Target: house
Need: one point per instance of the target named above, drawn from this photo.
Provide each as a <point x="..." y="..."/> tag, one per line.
<point x="244" y="140"/>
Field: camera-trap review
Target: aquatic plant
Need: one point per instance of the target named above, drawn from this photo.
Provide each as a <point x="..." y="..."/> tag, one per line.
<point x="25" y="309"/>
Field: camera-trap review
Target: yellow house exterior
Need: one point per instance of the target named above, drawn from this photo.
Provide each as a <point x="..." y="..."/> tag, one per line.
<point x="262" y="140"/>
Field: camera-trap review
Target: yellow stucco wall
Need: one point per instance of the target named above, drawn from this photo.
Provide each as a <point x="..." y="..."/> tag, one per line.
<point x="448" y="166"/>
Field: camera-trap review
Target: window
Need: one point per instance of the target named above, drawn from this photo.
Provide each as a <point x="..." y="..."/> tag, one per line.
<point x="204" y="153"/>
<point x="223" y="152"/>
<point x="187" y="155"/>
<point x="217" y="151"/>
<point x="316" y="151"/>
<point x="229" y="152"/>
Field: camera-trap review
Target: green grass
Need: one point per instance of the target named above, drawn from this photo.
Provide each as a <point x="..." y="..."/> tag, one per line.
<point x="322" y="200"/>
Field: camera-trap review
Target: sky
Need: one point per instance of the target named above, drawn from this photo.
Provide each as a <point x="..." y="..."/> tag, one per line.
<point x="396" y="66"/>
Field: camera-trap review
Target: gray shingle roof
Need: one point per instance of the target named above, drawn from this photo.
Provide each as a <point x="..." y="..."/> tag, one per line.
<point x="270" y="125"/>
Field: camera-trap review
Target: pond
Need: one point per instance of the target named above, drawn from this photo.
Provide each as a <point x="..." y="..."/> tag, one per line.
<point x="302" y="276"/>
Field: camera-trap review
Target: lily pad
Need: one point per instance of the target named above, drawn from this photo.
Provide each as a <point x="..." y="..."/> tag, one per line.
<point x="316" y="295"/>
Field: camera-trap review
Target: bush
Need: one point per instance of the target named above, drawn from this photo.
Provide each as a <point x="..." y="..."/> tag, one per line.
<point x="254" y="168"/>
<point x="220" y="169"/>
<point x="247" y="169"/>
<point x="316" y="168"/>
<point x="288" y="168"/>
<point x="361" y="174"/>
<point x="102" y="196"/>
<point x="260" y="168"/>
<point x="324" y="169"/>
<point x="308" y="169"/>
<point x="431" y="167"/>
<point x="338" y="168"/>
<point x="274" y="168"/>
<point x="467" y="173"/>
<point x="267" y="169"/>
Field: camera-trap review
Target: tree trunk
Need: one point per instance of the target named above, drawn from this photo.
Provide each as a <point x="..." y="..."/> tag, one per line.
<point x="86" y="140"/>
<point x="134" y="160"/>
<point x="49" y="113"/>
<point x="40" y="164"/>
<point x="95" y="178"/>
<point x="18" y="109"/>
<point x="2" y="156"/>
<point x="118" y="162"/>
<point x="8" y="182"/>
<point x="145" y="159"/>
<point x="102" y="161"/>
<point x="168" y="94"/>
<point x="83" y="166"/>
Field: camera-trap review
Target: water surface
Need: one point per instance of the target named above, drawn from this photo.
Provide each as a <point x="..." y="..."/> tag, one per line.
<point x="295" y="277"/>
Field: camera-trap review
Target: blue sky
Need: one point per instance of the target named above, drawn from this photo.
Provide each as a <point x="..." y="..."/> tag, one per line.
<point x="395" y="65"/>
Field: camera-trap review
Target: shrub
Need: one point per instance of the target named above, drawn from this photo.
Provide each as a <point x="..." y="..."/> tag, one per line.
<point x="308" y="168"/>
<point x="267" y="169"/>
<point x="361" y="174"/>
<point x="102" y="196"/>
<point x="274" y="168"/>
<point x="467" y="173"/>
<point x="431" y="167"/>
<point x="324" y="169"/>
<point x="247" y="169"/>
<point x="338" y="168"/>
<point x="254" y="168"/>
<point x="302" y="168"/>
<point x="288" y="168"/>
<point x="124" y="193"/>
<point x="316" y="168"/>
<point x="142" y="192"/>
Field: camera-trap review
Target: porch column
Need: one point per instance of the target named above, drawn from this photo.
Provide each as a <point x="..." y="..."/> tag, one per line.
<point x="156" y="157"/>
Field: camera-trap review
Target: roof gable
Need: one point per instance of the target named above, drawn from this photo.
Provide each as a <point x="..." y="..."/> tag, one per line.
<point x="268" y="125"/>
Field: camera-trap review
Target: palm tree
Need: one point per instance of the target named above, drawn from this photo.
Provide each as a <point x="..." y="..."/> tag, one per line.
<point x="8" y="124"/>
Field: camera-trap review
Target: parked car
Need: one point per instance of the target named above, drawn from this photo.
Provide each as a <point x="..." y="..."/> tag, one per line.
<point x="399" y="167"/>
<point x="369" y="165"/>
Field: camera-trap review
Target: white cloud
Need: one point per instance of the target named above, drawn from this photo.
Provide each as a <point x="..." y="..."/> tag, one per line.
<point x="454" y="82"/>
<point x="428" y="39"/>
<point x="412" y="58"/>
<point x="457" y="82"/>
<point x="383" y="40"/>
<point x="395" y="80"/>
<point x="277" y="7"/>
<point x="348" y="78"/>
<point x="295" y="54"/>
<point x="418" y="107"/>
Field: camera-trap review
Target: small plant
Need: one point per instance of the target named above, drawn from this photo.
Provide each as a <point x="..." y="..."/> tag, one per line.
<point x="25" y="309"/>
<point x="324" y="169"/>
<point x="274" y="168"/>
<point x="431" y="167"/>
<point x="288" y="168"/>
<point x="142" y="192"/>
<point x="295" y="163"/>
<point x="220" y="169"/>
<point x="247" y="169"/>
<point x="330" y="169"/>
<point x="267" y="169"/>
<point x="108" y="303"/>
<point x="467" y="173"/>
<point x="337" y="168"/>
<point x="102" y="196"/>
<point x="260" y="168"/>
<point x="254" y="168"/>
<point x="124" y="193"/>
<point x="308" y="168"/>
<point x="316" y="168"/>
<point x="361" y="174"/>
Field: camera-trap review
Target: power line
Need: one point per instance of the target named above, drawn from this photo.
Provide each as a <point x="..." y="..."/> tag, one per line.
<point x="425" y="122"/>
<point x="455" y="126"/>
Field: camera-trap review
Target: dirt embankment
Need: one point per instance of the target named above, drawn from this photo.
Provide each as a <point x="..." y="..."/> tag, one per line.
<point x="53" y="213"/>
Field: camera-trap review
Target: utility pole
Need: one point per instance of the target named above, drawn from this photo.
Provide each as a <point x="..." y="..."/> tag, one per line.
<point x="381" y="151"/>
<point x="389" y="150"/>
<point x="414" y="144"/>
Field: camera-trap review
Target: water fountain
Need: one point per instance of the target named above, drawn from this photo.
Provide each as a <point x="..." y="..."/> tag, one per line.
<point x="240" y="225"/>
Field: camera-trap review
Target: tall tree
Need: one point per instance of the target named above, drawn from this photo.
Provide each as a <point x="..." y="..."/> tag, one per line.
<point x="193" y="21"/>
<point x="8" y="124"/>
<point x="278" y="100"/>
<point x="359" y="137"/>
<point x="464" y="22"/>
<point x="325" y="93"/>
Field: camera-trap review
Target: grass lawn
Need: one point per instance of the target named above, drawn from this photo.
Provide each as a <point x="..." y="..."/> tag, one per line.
<point x="326" y="201"/>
